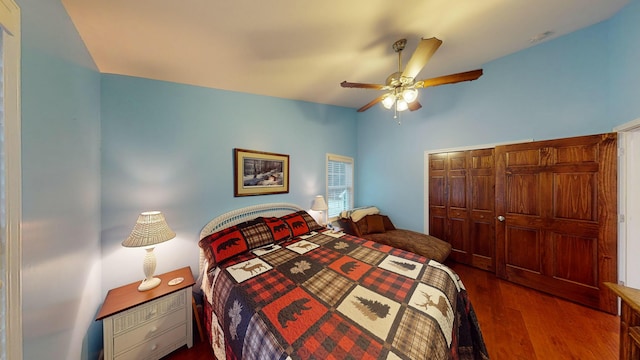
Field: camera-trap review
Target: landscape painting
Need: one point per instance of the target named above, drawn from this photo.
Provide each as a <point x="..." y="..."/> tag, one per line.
<point x="260" y="173"/>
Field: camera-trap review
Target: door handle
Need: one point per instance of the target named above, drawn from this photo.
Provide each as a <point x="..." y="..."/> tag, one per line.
<point x="501" y="218"/>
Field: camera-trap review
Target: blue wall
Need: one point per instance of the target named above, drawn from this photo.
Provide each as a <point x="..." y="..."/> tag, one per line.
<point x="61" y="187"/>
<point x="624" y="85"/>
<point x="578" y="84"/>
<point x="169" y="147"/>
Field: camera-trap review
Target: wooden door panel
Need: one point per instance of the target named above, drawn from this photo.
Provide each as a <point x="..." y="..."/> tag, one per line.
<point x="522" y="157"/>
<point x="559" y="201"/>
<point x="577" y="259"/>
<point x="483" y="244"/>
<point x="458" y="237"/>
<point x="437" y="194"/>
<point x="457" y="161"/>
<point x="575" y="195"/>
<point x="482" y="192"/>
<point x="438" y="225"/>
<point x="458" y="191"/>
<point x="523" y="248"/>
<point x="579" y="153"/>
<point x="522" y="193"/>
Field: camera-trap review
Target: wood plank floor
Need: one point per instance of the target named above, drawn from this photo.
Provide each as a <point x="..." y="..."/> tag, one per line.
<point x="517" y="323"/>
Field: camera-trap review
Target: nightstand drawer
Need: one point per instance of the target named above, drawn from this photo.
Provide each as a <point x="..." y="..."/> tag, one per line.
<point x="147" y="331"/>
<point x="149" y="312"/>
<point x="158" y="346"/>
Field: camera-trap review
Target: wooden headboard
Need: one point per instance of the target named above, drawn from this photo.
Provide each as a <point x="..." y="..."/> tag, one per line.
<point x="235" y="217"/>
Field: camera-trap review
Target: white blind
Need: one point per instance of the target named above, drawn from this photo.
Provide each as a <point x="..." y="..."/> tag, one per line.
<point x="339" y="184"/>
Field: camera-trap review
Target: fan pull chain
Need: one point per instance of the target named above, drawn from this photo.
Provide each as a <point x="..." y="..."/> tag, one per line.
<point x="396" y="113"/>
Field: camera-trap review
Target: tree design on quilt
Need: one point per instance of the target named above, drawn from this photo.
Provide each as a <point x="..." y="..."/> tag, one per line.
<point x="236" y="318"/>
<point x="403" y="266"/>
<point x="372" y="309"/>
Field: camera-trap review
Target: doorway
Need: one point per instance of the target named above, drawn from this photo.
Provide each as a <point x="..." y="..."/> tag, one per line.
<point x="629" y="226"/>
<point x="10" y="183"/>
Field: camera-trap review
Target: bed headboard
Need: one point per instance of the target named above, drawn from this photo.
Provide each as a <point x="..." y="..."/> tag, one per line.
<point x="235" y="217"/>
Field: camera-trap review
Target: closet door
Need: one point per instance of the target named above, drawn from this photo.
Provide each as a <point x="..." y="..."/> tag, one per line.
<point x="458" y="206"/>
<point x="558" y="203"/>
<point x="448" y="210"/>
<point x="481" y="209"/>
<point x="461" y="204"/>
<point x="438" y="196"/>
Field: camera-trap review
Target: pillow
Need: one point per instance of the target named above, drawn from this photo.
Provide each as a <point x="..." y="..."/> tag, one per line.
<point x="235" y="240"/>
<point x="359" y="213"/>
<point x="279" y="229"/>
<point x="375" y="224"/>
<point x="301" y="223"/>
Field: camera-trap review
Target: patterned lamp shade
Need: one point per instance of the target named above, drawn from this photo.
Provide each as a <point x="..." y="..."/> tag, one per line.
<point x="150" y="229"/>
<point x="319" y="204"/>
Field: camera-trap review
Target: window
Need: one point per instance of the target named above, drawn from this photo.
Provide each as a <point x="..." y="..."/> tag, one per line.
<point x="339" y="184"/>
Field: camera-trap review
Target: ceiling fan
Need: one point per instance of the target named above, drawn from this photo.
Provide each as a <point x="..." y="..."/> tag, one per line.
<point x="401" y="86"/>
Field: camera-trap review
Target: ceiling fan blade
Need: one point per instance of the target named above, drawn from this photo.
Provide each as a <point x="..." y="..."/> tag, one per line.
<point x="421" y="56"/>
<point x="371" y="103"/>
<point x="414" y="105"/>
<point x="346" y="84"/>
<point x="450" y="79"/>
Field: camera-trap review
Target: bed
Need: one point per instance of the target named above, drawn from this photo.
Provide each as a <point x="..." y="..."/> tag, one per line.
<point x="276" y="285"/>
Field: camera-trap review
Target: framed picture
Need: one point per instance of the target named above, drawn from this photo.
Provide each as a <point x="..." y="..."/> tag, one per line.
<point x="260" y="173"/>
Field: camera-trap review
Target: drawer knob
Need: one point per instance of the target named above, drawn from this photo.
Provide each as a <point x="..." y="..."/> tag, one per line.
<point x="154" y="346"/>
<point x="153" y="329"/>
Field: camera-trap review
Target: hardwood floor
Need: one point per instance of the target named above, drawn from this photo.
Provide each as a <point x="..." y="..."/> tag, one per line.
<point x="521" y="323"/>
<point x="517" y="323"/>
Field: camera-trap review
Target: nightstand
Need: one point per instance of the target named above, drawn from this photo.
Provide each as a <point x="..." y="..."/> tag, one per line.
<point x="148" y="324"/>
<point x="629" y="320"/>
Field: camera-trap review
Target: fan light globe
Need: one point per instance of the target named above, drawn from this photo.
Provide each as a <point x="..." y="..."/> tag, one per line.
<point x="410" y="95"/>
<point x="401" y="105"/>
<point x="388" y="101"/>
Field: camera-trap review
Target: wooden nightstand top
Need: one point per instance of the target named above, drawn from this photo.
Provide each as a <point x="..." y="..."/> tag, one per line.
<point x="128" y="296"/>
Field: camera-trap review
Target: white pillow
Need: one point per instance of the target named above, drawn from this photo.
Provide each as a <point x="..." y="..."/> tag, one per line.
<point x="359" y="213"/>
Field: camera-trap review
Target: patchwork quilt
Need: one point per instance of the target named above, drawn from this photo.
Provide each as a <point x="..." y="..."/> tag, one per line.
<point x="336" y="296"/>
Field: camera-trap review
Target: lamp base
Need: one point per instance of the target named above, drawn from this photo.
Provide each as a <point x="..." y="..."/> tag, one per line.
<point x="148" y="284"/>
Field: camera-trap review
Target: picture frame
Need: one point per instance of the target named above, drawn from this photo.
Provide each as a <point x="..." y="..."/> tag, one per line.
<point x="260" y="173"/>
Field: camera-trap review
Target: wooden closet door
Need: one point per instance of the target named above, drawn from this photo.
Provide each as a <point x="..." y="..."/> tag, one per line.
<point x="481" y="208"/>
<point x="448" y="202"/>
<point x="461" y="204"/>
<point x="438" y="196"/>
<point x="458" y="206"/>
<point x="559" y="203"/>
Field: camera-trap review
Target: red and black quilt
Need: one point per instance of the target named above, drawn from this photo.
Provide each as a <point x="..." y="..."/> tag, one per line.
<point x="326" y="297"/>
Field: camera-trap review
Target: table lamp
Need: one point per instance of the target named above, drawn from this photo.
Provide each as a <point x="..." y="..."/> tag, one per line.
<point x="320" y="205"/>
<point x="150" y="229"/>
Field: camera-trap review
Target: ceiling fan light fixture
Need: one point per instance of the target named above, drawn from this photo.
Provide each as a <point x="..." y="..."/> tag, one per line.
<point x="410" y="95"/>
<point x="388" y="101"/>
<point x="401" y="105"/>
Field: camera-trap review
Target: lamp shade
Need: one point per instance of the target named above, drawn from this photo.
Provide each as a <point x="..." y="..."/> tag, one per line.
<point x="319" y="204"/>
<point x="150" y="229"/>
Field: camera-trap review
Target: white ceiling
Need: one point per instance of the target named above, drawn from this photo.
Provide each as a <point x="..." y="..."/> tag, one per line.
<point x="302" y="49"/>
